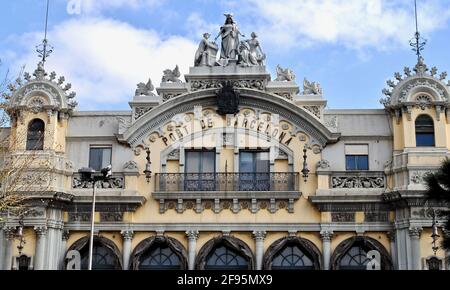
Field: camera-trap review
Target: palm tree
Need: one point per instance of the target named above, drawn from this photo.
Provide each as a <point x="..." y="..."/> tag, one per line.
<point x="438" y="189"/>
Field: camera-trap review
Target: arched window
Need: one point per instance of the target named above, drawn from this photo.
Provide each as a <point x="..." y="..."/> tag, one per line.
<point x="160" y="257"/>
<point x="292" y="258"/>
<point x="103" y="258"/>
<point x="354" y="259"/>
<point x="351" y="254"/>
<point x="425" y="131"/>
<point x="224" y="258"/>
<point x="35" y="136"/>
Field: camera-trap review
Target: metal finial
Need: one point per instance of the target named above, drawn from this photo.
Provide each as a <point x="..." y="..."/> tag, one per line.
<point x="418" y="43"/>
<point x="44" y="50"/>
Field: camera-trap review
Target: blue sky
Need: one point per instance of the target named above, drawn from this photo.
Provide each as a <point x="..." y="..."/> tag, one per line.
<point x="350" y="46"/>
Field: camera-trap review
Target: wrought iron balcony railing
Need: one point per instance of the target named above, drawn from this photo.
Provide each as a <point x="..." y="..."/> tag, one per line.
<point x="274" y="181"/>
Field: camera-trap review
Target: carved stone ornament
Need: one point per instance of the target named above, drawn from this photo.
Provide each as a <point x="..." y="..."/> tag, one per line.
<point x="315" y="110"/>
<point x="311" y="88"/>
<point x="284" y="74"/>
<point x="323" y="164"/>
<point x="140" y="111"/>
<point x="402" y="88"/>
<point x="418" y="177"/>
<point x="342" y="216"/>
<point x="55" y="95"/>
<point x="331" y="122"/>
<point x="130" y="166"/>
<point x="171" y="75"/>
<point x="145" y="89"/>
<point x="228" y="99"/>
<point x="111" y="183"/>
<point x="357" y="182"/>
<point x="111" y="216"/>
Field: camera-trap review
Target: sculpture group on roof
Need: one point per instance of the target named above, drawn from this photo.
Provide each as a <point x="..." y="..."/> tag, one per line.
<point x="233" y="50"/>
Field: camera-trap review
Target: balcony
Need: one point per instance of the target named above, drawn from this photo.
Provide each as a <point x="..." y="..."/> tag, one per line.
<point x="227" y="191"/>
<point x="254" y="182"/>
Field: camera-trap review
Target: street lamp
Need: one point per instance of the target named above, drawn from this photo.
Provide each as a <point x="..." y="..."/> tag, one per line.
<point x="305" y="170"/>
<point x="435" y="233"/>
<point x="148" y="169"/>
<point x="88" y="174"/>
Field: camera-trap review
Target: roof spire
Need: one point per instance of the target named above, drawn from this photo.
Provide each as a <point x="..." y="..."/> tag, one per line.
<point x="418" y="43"/>
<point x="44" y="50"/>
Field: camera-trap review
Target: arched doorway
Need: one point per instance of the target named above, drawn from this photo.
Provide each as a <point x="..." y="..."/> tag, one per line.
<point x="225" y="253"/>
<point x="159" y="253"/>
<point x="105" y="254"/>
<point x="292" y="253"/>
<point x="351" y="254"/>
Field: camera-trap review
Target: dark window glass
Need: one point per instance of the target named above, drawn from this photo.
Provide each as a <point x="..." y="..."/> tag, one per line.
<point x="99" y="157"/>
<point x="35" y="137"/>
<point x="103" y="258"/>
<point x="357" y="162"/>
<point x="354" y="259"/>
<point x="24" y="263"/>
<point x="200" y="170"/>
<point x="223" y="258"/>
<point x="425" y="131"/>
<point x="434" y="263"/>
<point x="160" y="258"/>
<point x="254" y="170"/>
<point x="292" y="258"/>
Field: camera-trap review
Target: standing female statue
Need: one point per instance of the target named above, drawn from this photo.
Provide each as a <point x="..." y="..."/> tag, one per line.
<point x="230" y="38"/>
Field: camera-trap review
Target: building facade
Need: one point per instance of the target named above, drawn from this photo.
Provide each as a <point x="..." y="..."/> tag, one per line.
<point x="249" y="171"/>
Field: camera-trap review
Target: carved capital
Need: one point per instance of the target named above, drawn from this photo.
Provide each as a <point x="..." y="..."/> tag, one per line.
<point x="326" y="236"/>
<point x="192" y="235"/>
<point x="414" y="232"/>
<point x="41" y="231"/>
<point x="259" y="236"/>
<point x="127" y="235"/>
<point x="10" y="233"/>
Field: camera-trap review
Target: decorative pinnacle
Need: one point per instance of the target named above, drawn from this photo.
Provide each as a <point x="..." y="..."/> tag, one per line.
<point x="45" y="49"/>
<point x="417" y="43"/>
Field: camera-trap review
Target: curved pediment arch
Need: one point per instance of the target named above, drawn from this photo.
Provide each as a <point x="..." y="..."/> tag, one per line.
<point x="154" y="120"/>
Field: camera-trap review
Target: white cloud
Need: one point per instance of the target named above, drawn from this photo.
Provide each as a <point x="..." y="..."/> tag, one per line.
<point x="105" y="59"/>
<point x="356" y="24"/>
<point x="97" y="6"/>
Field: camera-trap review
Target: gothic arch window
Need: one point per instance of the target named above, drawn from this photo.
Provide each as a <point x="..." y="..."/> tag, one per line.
<point x="225" y="253"/>
<point x="35" y="135"/>
<point x="425" y="136"/>
<point x="105" y="255"/>
<point x="224" y="258"/>
<point x="159" y="253"/>
<point x="351" y="254"/>
<point x="292" y="253"/>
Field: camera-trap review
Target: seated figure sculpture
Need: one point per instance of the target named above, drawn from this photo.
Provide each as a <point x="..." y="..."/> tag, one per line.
<point x="206" y="52"/>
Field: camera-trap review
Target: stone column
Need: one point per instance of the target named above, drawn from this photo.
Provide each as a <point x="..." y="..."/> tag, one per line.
<point x="414" y="234"/>
<point x="259" y="237"/>
<point x="192" y="246"/>
<point x="326" y="236"/>
<point x="65" y="237"/>
<point x="2" y="247"/>
<point x="41" y="236"/>
<point x="127" y="238"/>
<point x="9" y="234"/>
<point x="392" y="235"/>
